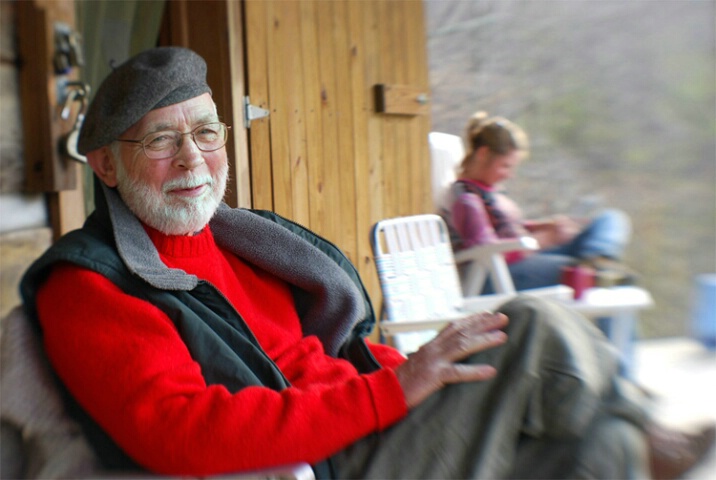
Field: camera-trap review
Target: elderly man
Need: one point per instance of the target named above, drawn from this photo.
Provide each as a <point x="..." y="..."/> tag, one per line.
<point x="196" y="339"/>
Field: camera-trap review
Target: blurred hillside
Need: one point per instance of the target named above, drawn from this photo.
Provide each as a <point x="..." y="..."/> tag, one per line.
<point x="619" y="100"/>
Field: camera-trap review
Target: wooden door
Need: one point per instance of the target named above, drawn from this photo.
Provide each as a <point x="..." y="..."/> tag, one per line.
<point x="325" y="157"/>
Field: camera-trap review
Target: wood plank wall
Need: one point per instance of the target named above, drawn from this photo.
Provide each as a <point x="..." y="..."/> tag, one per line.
<point x="324" y="158"/>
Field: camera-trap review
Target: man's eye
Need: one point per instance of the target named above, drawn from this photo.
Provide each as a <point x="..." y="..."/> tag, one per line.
<point x="208" y="128"/>
<point x="207" y="133"/>
<point x="161" y="140"/>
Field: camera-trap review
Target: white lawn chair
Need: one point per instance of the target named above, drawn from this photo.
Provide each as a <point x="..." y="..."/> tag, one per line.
<point x="419" y="279"/>
<point x="446" y="153"/>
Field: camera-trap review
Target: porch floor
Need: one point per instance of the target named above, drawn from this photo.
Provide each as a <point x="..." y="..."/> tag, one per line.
<point x="682" y="374"/>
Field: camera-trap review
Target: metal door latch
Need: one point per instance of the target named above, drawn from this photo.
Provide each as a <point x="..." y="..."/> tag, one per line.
<point x="252" y="112"/>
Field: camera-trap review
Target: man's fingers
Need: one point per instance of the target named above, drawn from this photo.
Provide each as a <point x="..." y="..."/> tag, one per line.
<point x="462" y="372"/>
<point x="483" y="321"/>
<point x="464" y="344"/>
<point x="471" y="335"/>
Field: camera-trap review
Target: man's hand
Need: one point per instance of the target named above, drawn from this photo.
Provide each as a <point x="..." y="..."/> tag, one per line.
<point x="434" y="365"/>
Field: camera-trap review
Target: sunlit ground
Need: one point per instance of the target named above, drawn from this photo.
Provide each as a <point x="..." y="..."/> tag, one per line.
<point x="682" y="374"/>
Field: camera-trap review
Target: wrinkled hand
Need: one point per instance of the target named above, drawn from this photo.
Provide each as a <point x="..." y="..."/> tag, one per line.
<point x="434" y="365"/>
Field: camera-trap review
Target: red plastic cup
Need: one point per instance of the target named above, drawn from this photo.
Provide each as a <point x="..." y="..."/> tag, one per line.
<point x="579" y="277"/>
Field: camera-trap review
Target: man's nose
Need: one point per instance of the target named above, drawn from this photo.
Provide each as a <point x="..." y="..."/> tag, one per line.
<point x="189" y="156"/>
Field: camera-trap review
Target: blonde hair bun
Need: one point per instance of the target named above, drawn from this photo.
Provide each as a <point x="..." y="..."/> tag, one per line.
<point x="474" y="124"/>
<point x="497" y="133"/>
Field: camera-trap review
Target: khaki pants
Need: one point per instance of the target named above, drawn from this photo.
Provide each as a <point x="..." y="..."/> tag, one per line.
<point x="557" y="409"/>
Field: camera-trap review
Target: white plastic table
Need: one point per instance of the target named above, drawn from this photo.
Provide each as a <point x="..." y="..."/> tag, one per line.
<point x="620" y="305"/>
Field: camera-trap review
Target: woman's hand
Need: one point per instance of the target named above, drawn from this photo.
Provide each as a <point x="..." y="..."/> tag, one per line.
<point x="565" y="229"/>
<point x="435" y="364"/>
<point x="553" y="232"/>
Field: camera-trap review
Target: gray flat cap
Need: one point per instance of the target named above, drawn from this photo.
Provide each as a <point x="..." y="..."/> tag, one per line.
<point x="152" y="79"/>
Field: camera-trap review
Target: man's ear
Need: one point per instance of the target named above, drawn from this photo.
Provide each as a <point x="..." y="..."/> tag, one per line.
<point x="102" y="162"/>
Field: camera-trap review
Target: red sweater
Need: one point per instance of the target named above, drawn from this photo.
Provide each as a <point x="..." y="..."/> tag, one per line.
<point x="125" y="363"/>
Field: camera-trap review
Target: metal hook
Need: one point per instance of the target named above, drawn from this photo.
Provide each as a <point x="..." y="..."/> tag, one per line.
<point x="73" y="91"/>
<point x="68" y="143"/>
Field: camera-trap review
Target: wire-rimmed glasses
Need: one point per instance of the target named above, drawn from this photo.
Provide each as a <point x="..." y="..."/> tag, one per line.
<point x="166" y="143"/>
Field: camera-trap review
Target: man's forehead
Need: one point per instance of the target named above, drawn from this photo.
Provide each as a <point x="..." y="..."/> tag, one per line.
<point x="194" y="111"/>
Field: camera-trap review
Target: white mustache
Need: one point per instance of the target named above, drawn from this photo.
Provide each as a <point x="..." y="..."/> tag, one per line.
<point x="191" y="181"/>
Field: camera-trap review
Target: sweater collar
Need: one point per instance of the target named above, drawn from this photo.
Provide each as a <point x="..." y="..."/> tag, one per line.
<point x="181" y="245"/>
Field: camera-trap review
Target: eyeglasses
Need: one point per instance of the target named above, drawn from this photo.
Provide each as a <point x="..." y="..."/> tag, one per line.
<point x="166" y="143"/>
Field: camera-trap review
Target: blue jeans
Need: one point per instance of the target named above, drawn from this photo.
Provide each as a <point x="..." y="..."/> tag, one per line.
<point x="607" y="235"/>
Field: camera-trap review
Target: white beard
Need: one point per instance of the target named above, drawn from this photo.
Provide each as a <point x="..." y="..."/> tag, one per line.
<point x="173" y="214"/>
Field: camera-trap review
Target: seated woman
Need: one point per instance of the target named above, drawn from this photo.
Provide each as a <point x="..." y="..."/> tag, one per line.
<point x="478" y="212"/>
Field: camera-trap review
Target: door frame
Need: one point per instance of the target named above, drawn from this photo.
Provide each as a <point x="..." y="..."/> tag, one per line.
<point x="215" y="30"/>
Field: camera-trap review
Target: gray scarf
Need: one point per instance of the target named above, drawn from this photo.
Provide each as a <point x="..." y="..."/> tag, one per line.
<point x="333" y="304"/>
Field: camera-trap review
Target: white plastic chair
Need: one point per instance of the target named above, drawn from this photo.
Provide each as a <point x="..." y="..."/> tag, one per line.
<point x="446" y="153"/>
<point x="419" y="279"/>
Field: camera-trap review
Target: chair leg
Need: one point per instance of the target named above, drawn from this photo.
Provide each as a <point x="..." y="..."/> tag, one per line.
<point x="620" y="329"/>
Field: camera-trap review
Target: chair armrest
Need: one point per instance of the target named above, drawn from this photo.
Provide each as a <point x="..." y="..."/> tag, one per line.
<point x="470" y="305"/>
<point x="555" y="292"/>
<point x="481" y="252"/>
<point x="483" y="303"/>
<point x="389" y="328"/>
<point x="296" y="471"/>
<point x="481" y="260"/>
<point x="492" y="302"/>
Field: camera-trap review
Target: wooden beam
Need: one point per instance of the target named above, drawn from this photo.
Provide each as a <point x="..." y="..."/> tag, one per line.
<point x="42" y="91"/>
<point x="401" y="100"/>
<point x="42" y="88"/>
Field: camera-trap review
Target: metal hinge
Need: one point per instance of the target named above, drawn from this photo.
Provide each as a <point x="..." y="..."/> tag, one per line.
<point x="252" y="112"/>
